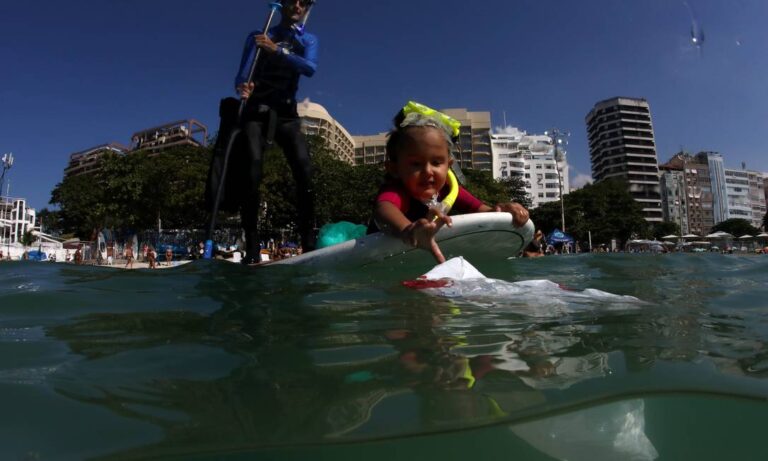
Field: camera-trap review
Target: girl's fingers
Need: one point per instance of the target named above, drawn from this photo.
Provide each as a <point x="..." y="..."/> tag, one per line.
<point x="437" y="253"/>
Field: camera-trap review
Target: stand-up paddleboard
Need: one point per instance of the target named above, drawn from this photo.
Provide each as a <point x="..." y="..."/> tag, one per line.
<point x="490" y="236"/>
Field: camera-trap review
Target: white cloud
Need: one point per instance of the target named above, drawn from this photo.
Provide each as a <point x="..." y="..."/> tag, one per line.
<point x="507" y="130"/>
<point x="580" y="180"/>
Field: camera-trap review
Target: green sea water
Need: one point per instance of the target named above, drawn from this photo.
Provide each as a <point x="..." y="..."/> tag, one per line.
<point x="215" y="361"/>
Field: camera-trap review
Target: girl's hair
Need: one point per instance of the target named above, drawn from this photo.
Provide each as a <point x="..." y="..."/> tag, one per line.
<point x="399" y="137"/>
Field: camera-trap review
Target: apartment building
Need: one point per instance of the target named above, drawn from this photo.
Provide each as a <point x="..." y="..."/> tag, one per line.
<point x="315" y="120"/>
<point x="159" y="138"/>
<point x="89" y="160"/>
<point x="622" y="146"/>
<point x="154" y="140"/>
<point x="473" y="149"/>
<point x="370" y="150"/>
<point x="686" y="191"/>
<point x="533" y="158"/>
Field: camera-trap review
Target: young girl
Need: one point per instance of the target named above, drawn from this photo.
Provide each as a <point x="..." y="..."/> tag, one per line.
<point x="418" y="161"/>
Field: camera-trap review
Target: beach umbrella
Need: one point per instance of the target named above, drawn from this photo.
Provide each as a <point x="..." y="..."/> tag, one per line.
<point x="763" y="235"/>
<point x="746" y="236"/>
<point x="719" y="235"/>
<point x="690" y="236"/>
<point x="670" y="236"/>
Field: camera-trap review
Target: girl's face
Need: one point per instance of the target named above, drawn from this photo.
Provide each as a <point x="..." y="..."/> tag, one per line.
<point x="422" y="164"/>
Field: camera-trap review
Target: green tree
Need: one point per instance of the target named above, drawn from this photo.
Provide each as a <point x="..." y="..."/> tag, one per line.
<point x="132" y="191"/>
<point x="658" y="230"/>
<point x="50" y="221"/>
<point x="736" y="227"/>
<point x="482" y="185"/>
<point x="605" y="209"/>
<point x="81" y="201"/>
<point x="342" y="192"/>
<point x="27" y="239"/>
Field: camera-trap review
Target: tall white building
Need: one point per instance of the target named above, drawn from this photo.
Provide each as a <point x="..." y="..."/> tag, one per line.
<point x="736" y="193"/>
<point x="16" y="219"/>
<point x="531" y="157"/>
<point x="745" y="196"/>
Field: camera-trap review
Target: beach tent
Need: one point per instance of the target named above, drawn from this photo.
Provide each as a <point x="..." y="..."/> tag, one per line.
<point x="558" y="236"/>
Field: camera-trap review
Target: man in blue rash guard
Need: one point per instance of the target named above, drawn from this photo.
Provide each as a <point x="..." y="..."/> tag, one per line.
<point x="288" y="52"/>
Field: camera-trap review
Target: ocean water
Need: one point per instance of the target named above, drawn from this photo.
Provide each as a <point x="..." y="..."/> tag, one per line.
<point x="215" y="361"/>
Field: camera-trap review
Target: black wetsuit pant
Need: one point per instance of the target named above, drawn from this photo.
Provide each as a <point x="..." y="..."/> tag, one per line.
<point x="287" y="135"/>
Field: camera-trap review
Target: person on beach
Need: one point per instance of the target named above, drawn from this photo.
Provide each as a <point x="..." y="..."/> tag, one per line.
<point x="168" y="256"/>
<point x="418" y="161"/>
<point x="151" y="257"/>
<point x="270" y="113"/>
<point x="536" y="247"/>
<point x="128" y="257"/>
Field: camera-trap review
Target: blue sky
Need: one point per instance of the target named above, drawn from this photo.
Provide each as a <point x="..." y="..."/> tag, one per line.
<point x="80" y="73"/>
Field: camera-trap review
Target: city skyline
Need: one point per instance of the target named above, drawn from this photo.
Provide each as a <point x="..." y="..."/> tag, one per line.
<point x="114" y="69"/>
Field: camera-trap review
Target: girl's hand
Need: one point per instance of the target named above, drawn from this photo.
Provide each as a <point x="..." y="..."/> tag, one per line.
<point x="421" y="233"/>
<point x="519" y="213"/>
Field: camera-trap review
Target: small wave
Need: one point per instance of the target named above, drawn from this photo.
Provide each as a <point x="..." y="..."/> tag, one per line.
<point x="21" y="334"/>
<point x="27" y="376"/>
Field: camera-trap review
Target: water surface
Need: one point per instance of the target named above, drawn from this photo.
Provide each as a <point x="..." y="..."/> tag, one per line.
<point x="211" y="361"/>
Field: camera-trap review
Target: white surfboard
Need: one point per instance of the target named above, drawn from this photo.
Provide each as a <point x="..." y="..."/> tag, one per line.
<point x="474" y="236"/>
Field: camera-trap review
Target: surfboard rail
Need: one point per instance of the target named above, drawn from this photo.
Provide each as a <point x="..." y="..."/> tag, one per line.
<point x="476" y="235"/>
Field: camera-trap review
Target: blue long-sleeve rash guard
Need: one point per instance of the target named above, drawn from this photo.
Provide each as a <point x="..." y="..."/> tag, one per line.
<point x="301" y="57"/>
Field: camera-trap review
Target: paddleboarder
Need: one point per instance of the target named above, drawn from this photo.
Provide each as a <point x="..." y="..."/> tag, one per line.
<point x="268" y="113"/>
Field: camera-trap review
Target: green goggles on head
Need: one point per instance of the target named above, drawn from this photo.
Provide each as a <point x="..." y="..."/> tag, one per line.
<point x="451" y="124"/>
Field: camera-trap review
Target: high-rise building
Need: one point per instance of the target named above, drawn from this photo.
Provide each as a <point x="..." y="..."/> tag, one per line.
<point x="757" y="197"/>
<point x="686" y="192"/>
<point x="622" y="146"/>
<point x="474" y="147"/>
<point x="765" y="191"/>
<point x="735" y="193"/>
<point x="370" y="150"/>
<point x="315" y="120"/>
<point x="719" y="186"/>
<point x="531" y="157"/>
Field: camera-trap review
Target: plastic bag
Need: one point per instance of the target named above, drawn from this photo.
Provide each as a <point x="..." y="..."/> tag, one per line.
<point x="335" y="233"/>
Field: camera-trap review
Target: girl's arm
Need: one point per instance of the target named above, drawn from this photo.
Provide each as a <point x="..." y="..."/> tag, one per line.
<point x="519" y="213"/>
<point x="420" y="233"/>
